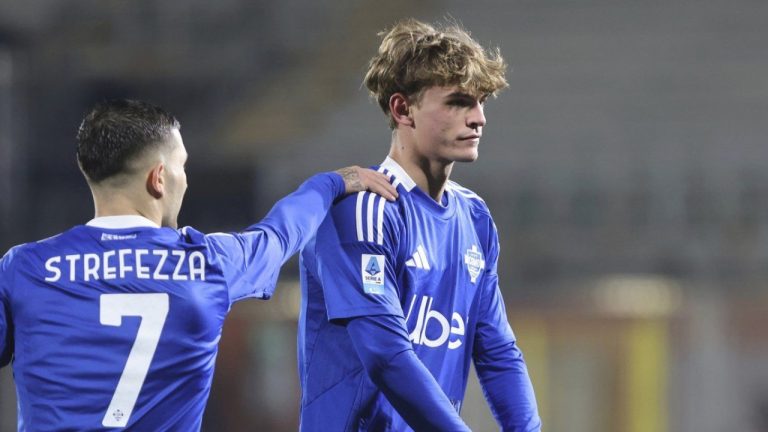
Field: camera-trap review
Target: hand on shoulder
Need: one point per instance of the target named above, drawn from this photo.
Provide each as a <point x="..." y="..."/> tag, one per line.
<point x="357" y="179"/>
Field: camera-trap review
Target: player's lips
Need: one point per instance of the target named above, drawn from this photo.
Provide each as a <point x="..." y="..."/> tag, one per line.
<point x="473" y="137"/>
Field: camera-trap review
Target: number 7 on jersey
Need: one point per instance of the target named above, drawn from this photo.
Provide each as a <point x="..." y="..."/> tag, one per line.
<point x="153" y="309"/>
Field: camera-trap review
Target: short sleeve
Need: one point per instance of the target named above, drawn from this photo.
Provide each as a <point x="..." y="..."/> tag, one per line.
<point x="354" y="255"/>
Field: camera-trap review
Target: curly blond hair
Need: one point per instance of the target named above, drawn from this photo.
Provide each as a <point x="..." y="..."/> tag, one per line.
<point x="414" y="56"/>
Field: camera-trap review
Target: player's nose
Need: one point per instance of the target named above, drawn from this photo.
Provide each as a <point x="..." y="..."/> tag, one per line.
<point x="476" y="117"/>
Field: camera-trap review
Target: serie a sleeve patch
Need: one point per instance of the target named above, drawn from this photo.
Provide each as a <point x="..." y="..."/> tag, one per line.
<point x="372" y="272"/>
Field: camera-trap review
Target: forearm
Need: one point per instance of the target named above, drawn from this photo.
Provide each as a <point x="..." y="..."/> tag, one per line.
<point x="415" y="394"/>
<point x="387" y="355"/>
<point x="294" y="219"/>
<point x="508" y="389"/>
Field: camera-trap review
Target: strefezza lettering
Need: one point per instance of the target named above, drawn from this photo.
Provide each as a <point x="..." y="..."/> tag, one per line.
<point x="425" y="314"/>
<point x="155" y="264"/>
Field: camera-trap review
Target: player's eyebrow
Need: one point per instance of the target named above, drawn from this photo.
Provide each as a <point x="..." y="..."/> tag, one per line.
<point x="463" y="97"/>
<point x="459" y="94"/>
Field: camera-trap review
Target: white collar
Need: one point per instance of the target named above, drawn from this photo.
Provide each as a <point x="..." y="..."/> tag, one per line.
<point x="399" y="173"/>
<point x="122" y="221"/>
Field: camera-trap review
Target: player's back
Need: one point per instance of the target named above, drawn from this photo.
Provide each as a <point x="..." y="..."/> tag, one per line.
<point x="114" y="328"/>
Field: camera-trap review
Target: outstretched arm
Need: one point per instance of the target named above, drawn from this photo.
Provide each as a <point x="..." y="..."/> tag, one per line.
<point x="251" y="260"/>
<point x="382" y="344"/>
<point x="295" y="218"/>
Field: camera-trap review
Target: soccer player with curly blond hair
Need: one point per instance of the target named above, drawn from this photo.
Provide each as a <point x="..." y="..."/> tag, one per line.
<point x="400" y="296"/>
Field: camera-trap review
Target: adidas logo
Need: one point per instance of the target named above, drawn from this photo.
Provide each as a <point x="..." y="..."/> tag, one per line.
<point x="418" y="259"/>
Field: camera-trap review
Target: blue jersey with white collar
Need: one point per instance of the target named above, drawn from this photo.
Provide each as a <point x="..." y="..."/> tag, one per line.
<point x="432" y="264"/>
<point x="116" y="324"/>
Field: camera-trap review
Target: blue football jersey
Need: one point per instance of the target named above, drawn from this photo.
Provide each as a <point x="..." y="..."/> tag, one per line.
<point x="116" y="324"/>
<point x="432" y="264"/>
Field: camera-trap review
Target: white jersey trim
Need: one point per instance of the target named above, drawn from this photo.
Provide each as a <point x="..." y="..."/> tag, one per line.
<point x="359" y="215"/>
<point x="369" y="218"/>
<point x="380" y="223"/>
<point x="121" y="221"/>
<point x="401" y="177"/>
<point x="461" y="190"/>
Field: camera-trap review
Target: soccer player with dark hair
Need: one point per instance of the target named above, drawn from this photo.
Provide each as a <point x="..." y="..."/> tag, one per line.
<point x="400" y="296"/>
<point x="116" y="323"/>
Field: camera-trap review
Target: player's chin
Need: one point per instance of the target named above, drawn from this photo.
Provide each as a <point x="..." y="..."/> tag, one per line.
<point x="468" y="155"/>
<point x="466" y="151"/>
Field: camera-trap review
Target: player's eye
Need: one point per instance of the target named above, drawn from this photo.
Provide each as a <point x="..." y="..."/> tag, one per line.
<point x="462" y="102"/>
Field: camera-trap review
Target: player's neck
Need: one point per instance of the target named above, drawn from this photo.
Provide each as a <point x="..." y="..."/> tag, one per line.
<point x="430" y="176"/>
<point x="120" y="203"/>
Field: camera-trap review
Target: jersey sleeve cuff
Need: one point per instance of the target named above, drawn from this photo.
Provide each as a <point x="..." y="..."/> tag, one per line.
<point x="337" y="184"/>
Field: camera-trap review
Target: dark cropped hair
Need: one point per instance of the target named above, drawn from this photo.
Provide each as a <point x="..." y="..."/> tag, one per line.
<point x="116" y="131"/>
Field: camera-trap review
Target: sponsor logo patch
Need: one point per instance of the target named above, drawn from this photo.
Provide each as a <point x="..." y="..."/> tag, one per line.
<point x="419" y="259"/>
<point x="106" y="236"/>
<point x="433" y="329"/>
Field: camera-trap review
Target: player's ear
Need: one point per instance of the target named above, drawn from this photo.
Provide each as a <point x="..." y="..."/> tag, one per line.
<point x="400" y="109"/>
<point x="156" y="180"/>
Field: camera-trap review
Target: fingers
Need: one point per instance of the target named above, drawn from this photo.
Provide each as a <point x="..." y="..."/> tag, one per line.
<point x="379" y="184"/>
<point x="358" y="179"/>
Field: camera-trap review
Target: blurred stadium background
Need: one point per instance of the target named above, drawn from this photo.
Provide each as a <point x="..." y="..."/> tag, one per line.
<point x="626" y="166"/>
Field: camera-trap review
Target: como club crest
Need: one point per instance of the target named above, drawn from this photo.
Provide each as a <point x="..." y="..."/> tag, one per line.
<point x="475" y="262"/>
